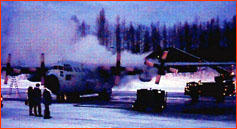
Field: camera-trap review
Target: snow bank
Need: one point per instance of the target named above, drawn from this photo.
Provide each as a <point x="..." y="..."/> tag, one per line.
<point x="21" y="81"/>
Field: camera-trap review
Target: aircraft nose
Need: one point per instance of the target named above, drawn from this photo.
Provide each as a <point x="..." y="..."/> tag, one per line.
<point x="52" y="83"/>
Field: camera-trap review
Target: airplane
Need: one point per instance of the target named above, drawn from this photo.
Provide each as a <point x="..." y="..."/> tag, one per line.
<point x="68" y="80"/>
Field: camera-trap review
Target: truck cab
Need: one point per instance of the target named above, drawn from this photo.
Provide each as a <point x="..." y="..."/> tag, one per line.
<point x="219" y="89"/>
<point x="150" y="100"/>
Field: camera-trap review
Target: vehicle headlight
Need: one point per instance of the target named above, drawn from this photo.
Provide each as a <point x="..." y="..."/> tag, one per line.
<point x="162" y="106"/>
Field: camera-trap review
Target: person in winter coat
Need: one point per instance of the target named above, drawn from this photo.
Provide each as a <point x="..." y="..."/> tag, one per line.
<point x="30" y="100"/>
<point x="37" y="100"/>
<point x="47" y="101"/>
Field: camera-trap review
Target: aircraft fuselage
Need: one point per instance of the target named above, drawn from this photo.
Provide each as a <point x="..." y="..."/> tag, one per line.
<point x="65" y="78"/>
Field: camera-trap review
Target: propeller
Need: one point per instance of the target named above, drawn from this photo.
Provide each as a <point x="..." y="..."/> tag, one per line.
<point x="116" y="70"/>
<point x="13" y="71"/>
<point x="162" y="69"/>
<point x="8" y="69"/>
<point x="42" y="69"/>
<point x="118" y="67"/>
<point x="118" y="59"/>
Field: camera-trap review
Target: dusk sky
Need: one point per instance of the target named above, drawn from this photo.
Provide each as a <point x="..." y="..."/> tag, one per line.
<point x="145" y="12"/>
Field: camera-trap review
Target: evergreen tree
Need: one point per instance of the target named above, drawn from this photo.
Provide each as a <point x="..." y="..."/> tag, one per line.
<point x="102" y="31"/>
<point x="77" y="22"/>
<point x="187" y="36"/>
<point x="174" y="37"/>
<point x="233" y="33"/>
<point x="117" y="33"/>
<point x="138" y="39"/>
<point x="123" y="35"/>
<point x="132" y="38"/>
<point x="165" y="38"/>
<point x="194" y="37"/>
<point x="202" y="37"/>
<point x="83" y="29"/>
<point x="146" y="41"/>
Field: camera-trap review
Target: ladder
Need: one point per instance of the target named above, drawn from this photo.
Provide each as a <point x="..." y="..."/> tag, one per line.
<point x="13" y="83"/>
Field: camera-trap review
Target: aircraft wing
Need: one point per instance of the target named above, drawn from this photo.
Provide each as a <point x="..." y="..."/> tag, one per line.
<point x="179" y="58"/>
<point x="175" y="60"/>
<point x="199" y="63"/>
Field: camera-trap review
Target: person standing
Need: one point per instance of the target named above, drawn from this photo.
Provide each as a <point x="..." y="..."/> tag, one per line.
<point x="47" y="101"/>
<point x="30" y="99"/>
<point x="37" y="100"/>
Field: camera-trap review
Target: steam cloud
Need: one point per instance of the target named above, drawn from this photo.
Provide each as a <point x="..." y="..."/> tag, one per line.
<point x="36" y="29"/>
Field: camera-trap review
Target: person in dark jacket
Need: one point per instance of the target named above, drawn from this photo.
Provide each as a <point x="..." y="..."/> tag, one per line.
<point x="37" y="100"/>
<point x="30" y="99"/>
<point x="47" y="101"/>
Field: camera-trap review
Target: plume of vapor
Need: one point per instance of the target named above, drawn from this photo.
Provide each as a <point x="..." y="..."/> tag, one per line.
<point x="88" y="50"/>
<point x="36" y="29"/>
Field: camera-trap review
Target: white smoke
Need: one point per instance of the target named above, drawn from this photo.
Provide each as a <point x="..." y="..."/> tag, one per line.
<point x="88" y="50"/>
<point x="169" y="82"/>
<point x="36" y="29"/>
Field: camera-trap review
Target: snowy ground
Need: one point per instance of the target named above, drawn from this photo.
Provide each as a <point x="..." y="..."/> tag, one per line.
<point x="117" y="113"/>
<point x="14" y="114"/>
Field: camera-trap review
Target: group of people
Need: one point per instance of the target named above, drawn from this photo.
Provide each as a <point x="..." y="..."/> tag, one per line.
<point x="34" y="101"/>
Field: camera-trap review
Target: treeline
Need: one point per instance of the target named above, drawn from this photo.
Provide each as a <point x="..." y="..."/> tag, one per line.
<point x="211" y="40"/>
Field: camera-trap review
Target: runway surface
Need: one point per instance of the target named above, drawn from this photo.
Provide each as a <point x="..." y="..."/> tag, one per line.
<point x="92" y="112"/>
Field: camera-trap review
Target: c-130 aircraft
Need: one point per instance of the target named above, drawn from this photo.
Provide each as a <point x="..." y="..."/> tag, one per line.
<point x="68" y="80"/>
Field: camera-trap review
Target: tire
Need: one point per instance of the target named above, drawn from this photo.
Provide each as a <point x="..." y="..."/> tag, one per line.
<point x="105" y="95"/>
<point x="194" y="98"/>
<point x="60" y="98"/>
<point x="141" y="108"/>
<point x="220" y="99"/>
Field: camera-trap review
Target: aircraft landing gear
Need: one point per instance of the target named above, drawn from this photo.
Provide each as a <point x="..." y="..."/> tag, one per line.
<point x="194" y="98"/>
<point x="105" y="95"/>
<point x="220" y="98"/>
<point x="68" y="98"/>
<point x="60" y="98"/>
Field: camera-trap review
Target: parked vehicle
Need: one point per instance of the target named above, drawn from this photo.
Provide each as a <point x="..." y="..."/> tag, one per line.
<point x="218" y="89"/>
<point x="150" y="100"/>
